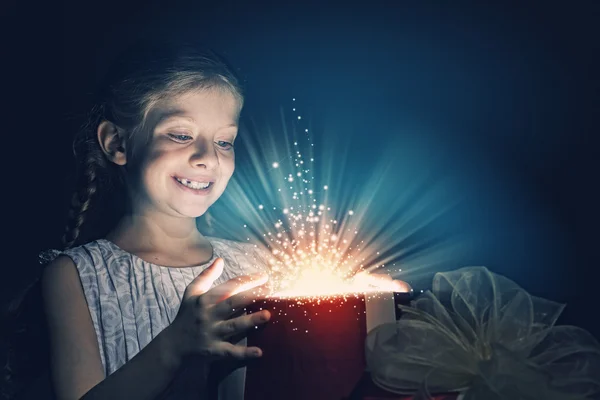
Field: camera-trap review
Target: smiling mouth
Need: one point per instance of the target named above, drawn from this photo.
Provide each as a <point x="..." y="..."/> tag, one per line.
<point x="193" y="184"/>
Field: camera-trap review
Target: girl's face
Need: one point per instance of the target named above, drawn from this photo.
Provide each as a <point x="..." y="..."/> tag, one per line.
<point x="189" y="158"/>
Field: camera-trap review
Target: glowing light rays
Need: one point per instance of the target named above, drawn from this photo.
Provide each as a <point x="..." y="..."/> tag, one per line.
<point x="318" y="238"/>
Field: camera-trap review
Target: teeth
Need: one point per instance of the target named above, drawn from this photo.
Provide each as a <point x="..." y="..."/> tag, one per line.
<point x="193" y="184"/>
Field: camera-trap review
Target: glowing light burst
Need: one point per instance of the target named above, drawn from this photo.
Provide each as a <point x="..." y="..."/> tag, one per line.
<point x="308" y="256"/>
<point x="308" y="221"/>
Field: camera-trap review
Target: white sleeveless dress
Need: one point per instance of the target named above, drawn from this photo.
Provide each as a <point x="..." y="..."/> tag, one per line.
<point x="131" y="301"/>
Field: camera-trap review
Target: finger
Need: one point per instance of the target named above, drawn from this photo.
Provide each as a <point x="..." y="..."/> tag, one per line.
<point x="235" y="313"/>
<point x="239" y="337"/>
<point x="383" y="281"/>
<point x="235" y="326"/>
<point x="373" y="279"/>
<point x="203" y="282"/>
<point x="234" y="286"/>
<point x="401" y="286"/>
<point x="232" y="304"/>
<point x="228" y="350"/>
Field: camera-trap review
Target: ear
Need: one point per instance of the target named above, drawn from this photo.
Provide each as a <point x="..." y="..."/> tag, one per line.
<point x="112" y="143"/>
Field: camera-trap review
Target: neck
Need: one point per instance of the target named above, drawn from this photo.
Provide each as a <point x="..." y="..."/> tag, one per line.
<point x="157" y="232"/>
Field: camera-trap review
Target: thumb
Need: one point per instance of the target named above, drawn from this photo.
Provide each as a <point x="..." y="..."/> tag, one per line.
<point x="401" y="286"/>
<point x="203" y="282"/>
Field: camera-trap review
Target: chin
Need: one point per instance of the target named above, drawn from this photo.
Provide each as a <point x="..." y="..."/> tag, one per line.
<point x="192" y="212"/>
<point x="198" y="214"/>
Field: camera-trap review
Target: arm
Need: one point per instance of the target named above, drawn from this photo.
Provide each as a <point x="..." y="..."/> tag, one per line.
<point x="76" y="366"/>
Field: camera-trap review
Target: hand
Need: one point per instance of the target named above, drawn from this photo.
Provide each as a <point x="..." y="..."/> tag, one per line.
<point x="383" y="281"/>
<point x="209" y="320"/>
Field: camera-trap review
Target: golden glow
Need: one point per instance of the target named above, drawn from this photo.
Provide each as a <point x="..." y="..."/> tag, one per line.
<point x="323" y="283"/>
<point x="309" y="260"/>
<point x="312" y="250"/>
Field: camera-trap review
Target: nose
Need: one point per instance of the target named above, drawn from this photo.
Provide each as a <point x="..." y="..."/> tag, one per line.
<point x="204" y="155"/>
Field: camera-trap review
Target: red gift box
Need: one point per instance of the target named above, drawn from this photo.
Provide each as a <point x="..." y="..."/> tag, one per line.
<point x="312" y="349"/>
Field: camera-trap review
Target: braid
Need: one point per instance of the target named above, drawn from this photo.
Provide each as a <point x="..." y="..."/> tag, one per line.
<point x="81" y="200"/>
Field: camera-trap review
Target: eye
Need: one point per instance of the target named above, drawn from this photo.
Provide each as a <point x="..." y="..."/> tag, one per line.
<point x="224" y="145"/>
<point x="179" y="137"/>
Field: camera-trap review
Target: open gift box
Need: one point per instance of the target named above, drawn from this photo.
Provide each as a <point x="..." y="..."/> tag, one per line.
<point x="315" y="348"/>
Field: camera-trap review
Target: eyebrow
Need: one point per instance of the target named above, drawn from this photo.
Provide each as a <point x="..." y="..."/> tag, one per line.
<point x="164" y="115"/>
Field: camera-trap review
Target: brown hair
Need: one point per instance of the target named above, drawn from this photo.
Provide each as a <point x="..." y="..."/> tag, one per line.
<point x="142" y="76"/>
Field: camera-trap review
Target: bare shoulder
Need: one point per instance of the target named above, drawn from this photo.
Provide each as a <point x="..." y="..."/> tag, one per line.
<point x="61" y="285"/>
<point x="75" y="360"/>
<point x="60" y="274"/>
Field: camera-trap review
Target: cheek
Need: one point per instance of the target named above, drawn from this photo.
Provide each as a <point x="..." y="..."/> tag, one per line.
<point x="226" y="177"/>
<point x="150" y="162"/>
<point x="228" y="166"/>
<point x="156" y="178"/>
<point x="232" y="169"/>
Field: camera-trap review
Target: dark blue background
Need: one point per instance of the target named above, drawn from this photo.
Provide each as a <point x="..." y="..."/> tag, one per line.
<point x="506" y="95"/>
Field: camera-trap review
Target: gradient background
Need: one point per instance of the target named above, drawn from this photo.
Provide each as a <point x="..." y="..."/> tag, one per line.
<point x="505" y="96"/>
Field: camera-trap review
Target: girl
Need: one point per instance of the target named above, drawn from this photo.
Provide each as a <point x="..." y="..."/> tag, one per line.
<point x="141" y="305"/>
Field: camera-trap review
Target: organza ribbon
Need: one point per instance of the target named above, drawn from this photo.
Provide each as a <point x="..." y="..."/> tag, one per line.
<point x="481" y="334"/>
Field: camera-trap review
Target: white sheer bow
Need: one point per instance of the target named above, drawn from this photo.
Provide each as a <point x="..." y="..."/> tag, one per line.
<point x="480" y="333"/>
